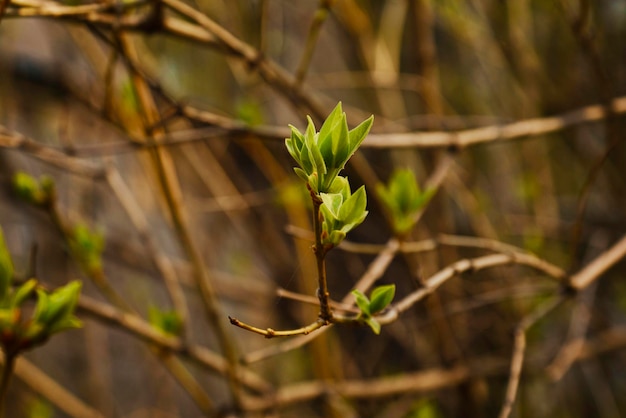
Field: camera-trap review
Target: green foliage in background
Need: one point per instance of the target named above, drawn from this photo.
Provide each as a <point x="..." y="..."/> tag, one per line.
<point x="403" y="200"/>
<point x="87" y="246"/>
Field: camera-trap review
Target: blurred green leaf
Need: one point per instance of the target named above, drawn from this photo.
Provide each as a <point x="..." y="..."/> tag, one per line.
<point x="62" y="302"/>
<point x="250" y="112"/>
<point x="168" y="322"/>
<point x="22" y="293"/>
<point x="373" y="324"/>
<point x="40" y="408"/>
<point x="362" y="302"/>
<point x="37" y="192"/>
<point x="87" y="247"/>
<point x="6" y="267"/>
<point x="425" y="409"/>
<point x="403" y="199"/>
<point x="26" y="187"/>
<point x="381" y="297"/>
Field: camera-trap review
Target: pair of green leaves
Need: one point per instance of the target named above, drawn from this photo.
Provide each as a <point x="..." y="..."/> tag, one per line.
<point x="53" y="313"/>
<point x="341" y="211"/>
<point x="379" y="299"/>
<point x="403" y="199"/>
<point x="322" y="155"/>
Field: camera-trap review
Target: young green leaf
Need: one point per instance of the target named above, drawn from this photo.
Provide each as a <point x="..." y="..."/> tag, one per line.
<point x="373" y="324"/>
<point x="358" y="134"/>
<point x="353" y="211"/>
<point x="381" y="297"/>
<point x="22" y="293"/>
<point x="63" y="301"/>
<point x="362" y="302"/>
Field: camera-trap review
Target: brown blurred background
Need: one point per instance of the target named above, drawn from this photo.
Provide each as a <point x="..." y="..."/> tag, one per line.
<point x="99" y="86"/>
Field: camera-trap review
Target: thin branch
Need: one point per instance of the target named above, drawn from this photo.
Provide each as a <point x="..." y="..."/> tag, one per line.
<point x="461" y="266"/>
<point x="374" y="271"/>
<point x="15" y="140"/>
<point x="493" y="133"/>
<point x="519" y="349"/>
<point x="283" y="293"/>
<point x="163" y="263"/>
<point x="141" y="329"/>
<point x="578" y="325"/>
<point x="594" y="270"/>
<point x="320" y="16"/>
<point x="274" y="75"/>
<point x="168" y="179"/>
<point x="428" y="380"/>
<point x="271" y="333"/>
<point x="52" y="390"/>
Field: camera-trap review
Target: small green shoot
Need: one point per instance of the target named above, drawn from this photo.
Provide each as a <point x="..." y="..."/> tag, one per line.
<point x="341" y="211"/>
<point x="379" y="299"/>
<point x="322" y="155"/>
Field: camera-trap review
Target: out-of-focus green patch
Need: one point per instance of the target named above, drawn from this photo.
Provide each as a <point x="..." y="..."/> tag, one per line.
<point x="87" y="246"/>
<point x="250" y="112"/>
<point x="425" y="408"/>
<point x="403" y="200"/>
<point x="528" y="187"/>
<point x="290" y="193"/>
<point x="167" y="322"/>
<point x="39" y="408"/>
<point x="128" y="97"/>
<point x="534" y="239"/>
<point x="38" y="192"/>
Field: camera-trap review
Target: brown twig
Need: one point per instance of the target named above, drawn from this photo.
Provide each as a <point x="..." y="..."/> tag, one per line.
<point x="595" y="269"/>
<point x="141" y="329"/>
<point x="165" y="266"/>
<point x="579" y="322"/>
<point x="321" y="14"/>
<point x="170" y="186"/>
<point x="519" y="349"/>
<point x="271" y="333"/>
<point x="52" y="390"/>
<point x="461" y="266"/>
<point x="15" y="140"/>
